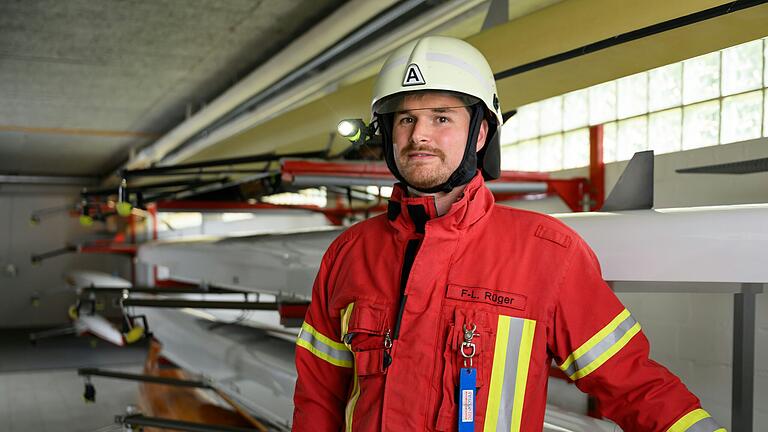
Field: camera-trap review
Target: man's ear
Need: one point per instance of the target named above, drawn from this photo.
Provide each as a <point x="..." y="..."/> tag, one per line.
<point x="482" y="135"/>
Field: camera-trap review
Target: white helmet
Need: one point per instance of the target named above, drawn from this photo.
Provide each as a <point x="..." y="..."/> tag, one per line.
<point x="438" y="63"/>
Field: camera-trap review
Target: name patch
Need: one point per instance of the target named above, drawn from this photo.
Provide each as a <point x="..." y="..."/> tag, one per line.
<point x="483" y="295"/>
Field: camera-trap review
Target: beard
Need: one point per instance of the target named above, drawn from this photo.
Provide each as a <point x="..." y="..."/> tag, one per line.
<point x="423" y="174"/>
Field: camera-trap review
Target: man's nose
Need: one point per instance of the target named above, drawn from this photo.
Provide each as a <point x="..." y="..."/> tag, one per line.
<point x="421" y="132"/>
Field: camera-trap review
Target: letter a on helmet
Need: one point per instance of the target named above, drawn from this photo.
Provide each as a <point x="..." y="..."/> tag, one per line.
<point x="442" y="64"/>
<point x="413" y="76"/>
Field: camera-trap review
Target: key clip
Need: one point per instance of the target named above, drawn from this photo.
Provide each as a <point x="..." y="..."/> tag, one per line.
<point x="469" y="334"/>
<point x="388" y="340"/>
<point x="468" y="349"/>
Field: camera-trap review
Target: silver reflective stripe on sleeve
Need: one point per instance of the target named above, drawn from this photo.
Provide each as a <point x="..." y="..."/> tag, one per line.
<point x="697" y="420"/>
<point x="324" y="347"/>
<point x="704" y="425"/>
<point x="601" y="347"/>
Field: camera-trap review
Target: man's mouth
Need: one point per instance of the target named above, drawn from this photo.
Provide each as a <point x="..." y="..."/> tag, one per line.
<point x="420" y="155"/>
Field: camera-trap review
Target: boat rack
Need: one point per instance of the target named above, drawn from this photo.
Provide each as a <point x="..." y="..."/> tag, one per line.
<point x="743" y="354"/>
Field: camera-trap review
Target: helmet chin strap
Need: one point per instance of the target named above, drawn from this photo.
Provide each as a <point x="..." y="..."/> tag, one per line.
<point x="463" y="173"/>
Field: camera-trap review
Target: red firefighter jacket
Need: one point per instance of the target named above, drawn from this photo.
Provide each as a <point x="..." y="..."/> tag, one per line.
<point x="380" y="349"/>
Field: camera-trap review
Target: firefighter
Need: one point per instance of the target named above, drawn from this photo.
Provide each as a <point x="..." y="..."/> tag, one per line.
<point x="446" y="312"/>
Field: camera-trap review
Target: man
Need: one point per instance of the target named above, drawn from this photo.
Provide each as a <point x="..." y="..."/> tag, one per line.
<point x="446" y="312"/>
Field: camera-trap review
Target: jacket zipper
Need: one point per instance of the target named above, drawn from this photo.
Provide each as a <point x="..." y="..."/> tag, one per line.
<point x="411" y="250"/>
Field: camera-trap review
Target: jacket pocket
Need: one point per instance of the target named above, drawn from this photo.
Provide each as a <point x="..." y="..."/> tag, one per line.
<point x="462" y="321"/>
<point x="446" y="413"/>
<point x="366" y="336"/>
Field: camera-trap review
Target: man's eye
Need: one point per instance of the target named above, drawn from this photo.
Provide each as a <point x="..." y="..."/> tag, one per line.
<point x="406" y="120"/>
<point x="443" y="119"/>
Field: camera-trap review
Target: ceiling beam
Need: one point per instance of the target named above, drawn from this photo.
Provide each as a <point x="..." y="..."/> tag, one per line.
<point x="48" y="180"/>
<point x="78" y="132"/>
<point x="312" y="43"/>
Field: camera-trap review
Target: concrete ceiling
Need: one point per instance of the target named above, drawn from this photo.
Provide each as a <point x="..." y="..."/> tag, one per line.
<point x="83" y="82"/>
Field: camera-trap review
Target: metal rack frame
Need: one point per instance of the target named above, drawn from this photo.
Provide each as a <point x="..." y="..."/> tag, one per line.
<point x="743" y="353"/>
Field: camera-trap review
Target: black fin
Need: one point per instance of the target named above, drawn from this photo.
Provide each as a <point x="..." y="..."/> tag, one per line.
<point x="741" y="167"/>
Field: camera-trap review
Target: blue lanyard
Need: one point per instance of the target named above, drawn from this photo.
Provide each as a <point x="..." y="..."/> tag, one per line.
<point x="467" y="390"/>
<point x="467" y="383"/>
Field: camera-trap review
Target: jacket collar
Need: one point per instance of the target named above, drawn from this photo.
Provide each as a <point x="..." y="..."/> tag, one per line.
<point x="412" y="214"/>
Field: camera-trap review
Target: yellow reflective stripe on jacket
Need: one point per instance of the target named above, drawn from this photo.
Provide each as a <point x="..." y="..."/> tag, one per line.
<point x="509" y="374"/>
<point x="601" y="347"/>
<point x="323" y="347"/>
<point x="697" y="420"/>
<point x="349" y="411"/>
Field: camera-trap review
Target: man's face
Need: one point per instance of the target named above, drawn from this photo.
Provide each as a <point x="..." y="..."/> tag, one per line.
<point x="429" y="133"/>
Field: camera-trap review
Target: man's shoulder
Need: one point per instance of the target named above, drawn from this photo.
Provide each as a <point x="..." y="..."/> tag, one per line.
<point x="373" y="226"/>
<point x="351" y="239"/>
<point x="539" y="224"/>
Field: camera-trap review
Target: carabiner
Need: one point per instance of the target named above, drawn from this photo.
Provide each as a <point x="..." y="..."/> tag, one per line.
<point x="469" y="334"/>
<point x="388" y="340"/>
<point x="468" y="345"/>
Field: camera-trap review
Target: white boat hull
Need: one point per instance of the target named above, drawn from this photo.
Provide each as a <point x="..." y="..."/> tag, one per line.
<point x="712" y="244"/>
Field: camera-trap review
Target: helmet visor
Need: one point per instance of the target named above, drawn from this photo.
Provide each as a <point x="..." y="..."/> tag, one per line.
<point x="408" y="101"/>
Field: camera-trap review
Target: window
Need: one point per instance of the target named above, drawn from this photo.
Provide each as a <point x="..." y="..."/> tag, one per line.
<point x="742" y="117"/>
<point x="528" y="121"/>
<point x="665" y="87"/>
<point x="742" y="68"/>
<point x="665" y="131"/>
<point x="765" y="114"/>
<point x="510" y="132"/>
<point x="602" y="103"/>
<point x="765" y="62"/>
<point x="575" y="109"/>
<point x="551" y="153"/>
<point x="701" y="124"/>
<point x="551" y="116"/>
<point x="633" y="95"/>
<point x="510" y="158"/>
<point x="528" y="154"/>
<point x="633" y="137"/>
<point x="576" y="148"/>
<point x="610" y="145"/>
<point x="716" y="98"/>
<point x="701" y="78"/>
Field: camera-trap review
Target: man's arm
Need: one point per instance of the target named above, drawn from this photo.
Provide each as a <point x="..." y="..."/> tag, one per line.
<point x="323" y="363"/>
<point x="600" y="345"/>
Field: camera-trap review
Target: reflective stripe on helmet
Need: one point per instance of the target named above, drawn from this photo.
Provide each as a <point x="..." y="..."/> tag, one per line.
<point x="697" y="420"/>
<point x="509" y="374"/>
<point x="601" y="347"/>
<point x="324" y="347"/>
<point x="458" y="62"/>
